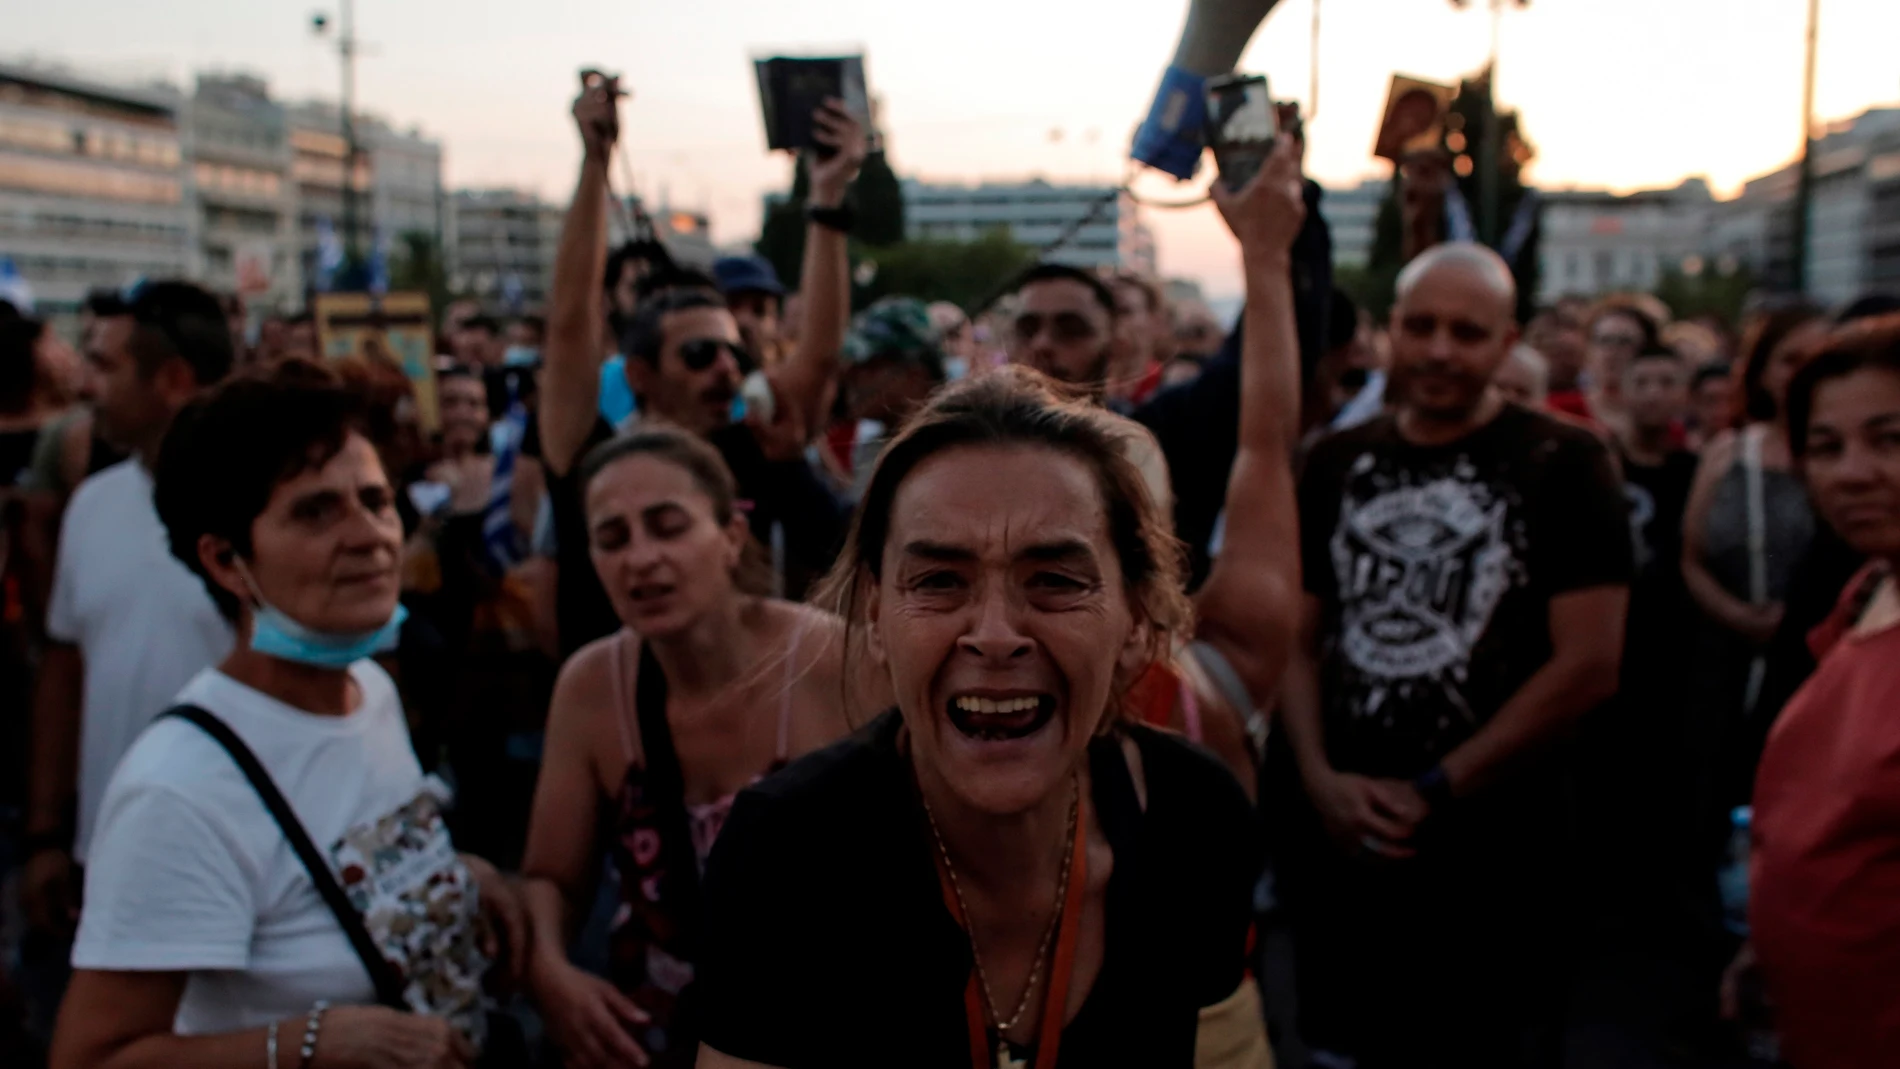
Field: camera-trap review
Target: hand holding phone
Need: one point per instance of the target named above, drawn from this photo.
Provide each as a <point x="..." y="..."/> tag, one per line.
<point x="1242" y="126"/>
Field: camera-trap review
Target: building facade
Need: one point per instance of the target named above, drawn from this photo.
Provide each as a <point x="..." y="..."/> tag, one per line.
<point x="397" y="180"/>
<point x="1854" y="218"/>
<point x="501" y="245"/>
<point x="244" y="206"/>
<point x="1352" y="215"/>
<point x="93" y="184"/>
<point x="1035" y="213"/>
<point x="1597" y="242"/>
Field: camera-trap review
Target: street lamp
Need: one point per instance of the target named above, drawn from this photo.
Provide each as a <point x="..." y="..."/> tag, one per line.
<point x="346" y="53"/>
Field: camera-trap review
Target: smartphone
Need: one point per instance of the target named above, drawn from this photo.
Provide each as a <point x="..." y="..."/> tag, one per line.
<point x="1242" y="123"/>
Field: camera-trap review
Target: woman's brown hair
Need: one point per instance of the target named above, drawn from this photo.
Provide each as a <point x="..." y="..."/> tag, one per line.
<point x="692" y="455"/>
<point x="1017" y="407"/>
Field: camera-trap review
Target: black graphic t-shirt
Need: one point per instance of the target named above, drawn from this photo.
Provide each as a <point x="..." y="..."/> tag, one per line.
<point x="1656" y="646"/>
<point x="1435" y="567"/>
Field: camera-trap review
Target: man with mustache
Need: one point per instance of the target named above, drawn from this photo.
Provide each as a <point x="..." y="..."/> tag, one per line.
<point x="685" y="364"/>
<point x="1467" y="565"/>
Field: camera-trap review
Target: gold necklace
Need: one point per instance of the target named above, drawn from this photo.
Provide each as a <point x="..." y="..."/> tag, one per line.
<point x="1048" y="935"/>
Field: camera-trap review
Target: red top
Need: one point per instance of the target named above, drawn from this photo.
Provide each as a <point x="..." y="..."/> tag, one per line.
<point x="1146" y="385"/>
<point x="1825" y="914"/>
<point x="1570" y="403"/>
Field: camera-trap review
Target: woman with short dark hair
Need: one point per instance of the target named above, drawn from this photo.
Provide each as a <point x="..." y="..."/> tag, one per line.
<point x="1010" y="867"/>
<point x="271" y="879"/>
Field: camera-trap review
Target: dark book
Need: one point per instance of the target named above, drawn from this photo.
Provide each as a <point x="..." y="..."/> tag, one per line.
<point x="791" y="89"/>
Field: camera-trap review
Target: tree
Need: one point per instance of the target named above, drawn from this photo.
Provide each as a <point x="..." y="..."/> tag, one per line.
<point x="963" y="273"/>
<point x="416" y="266"/>
<point x="782" y="236"/>
<point x="1711" y="290"/>
<point x="878" y="200"/>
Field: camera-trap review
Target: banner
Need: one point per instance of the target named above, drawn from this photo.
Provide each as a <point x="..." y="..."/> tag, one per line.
<point x="393" y="327"/>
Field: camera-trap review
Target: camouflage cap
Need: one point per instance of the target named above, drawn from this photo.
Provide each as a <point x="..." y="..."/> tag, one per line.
<point x="895" y="328"/>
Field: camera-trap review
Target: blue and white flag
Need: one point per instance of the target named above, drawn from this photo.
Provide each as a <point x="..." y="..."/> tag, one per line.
<point x="379" y="263"/>
<point x="329" y="256"/>
<point x="13" y="287"/>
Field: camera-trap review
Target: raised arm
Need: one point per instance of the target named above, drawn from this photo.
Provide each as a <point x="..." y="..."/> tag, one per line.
<point x="1249" y="607"/>
<point x="570" y="378"/>
<point x="825" y="278"/>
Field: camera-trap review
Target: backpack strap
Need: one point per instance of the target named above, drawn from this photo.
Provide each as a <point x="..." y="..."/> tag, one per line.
<point x="382" y="972"/>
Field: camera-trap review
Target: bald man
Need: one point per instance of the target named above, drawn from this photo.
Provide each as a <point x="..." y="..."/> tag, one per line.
<point x="1467" y="563"/>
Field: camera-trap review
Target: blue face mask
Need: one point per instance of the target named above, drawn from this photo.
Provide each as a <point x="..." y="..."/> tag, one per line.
<point x="520" y="356"/>
<point x="275" y="634"/>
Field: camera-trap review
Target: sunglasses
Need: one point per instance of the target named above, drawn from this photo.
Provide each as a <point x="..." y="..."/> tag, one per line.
<point x="698" y="354"/>
<point x="1065" y="326"/>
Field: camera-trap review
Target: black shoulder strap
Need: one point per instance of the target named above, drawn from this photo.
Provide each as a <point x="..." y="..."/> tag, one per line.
<point x="388" y="980"/>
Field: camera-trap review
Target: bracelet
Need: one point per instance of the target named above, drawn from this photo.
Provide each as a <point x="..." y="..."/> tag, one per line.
<point x="270" y="1047"/>
<point x="310" y="1029"/>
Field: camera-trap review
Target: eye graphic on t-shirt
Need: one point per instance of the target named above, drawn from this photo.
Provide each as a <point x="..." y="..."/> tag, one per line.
<point x="1420" y="569"/>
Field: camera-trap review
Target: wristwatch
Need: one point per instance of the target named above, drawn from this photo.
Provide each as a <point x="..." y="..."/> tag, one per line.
<point x="1434" y="786"/>
<point x="841" y="218"/>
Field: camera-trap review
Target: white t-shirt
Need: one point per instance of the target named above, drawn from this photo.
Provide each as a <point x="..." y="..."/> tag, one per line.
<point x="190" y="873"/>
<point x="142" y="622"/>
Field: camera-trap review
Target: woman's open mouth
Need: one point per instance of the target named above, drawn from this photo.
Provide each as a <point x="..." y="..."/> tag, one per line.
<point x="1001" y="719"/>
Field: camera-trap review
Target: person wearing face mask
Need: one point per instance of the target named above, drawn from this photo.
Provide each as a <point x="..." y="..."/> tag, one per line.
<point x="1009" y="867"/>
<point x="707" y="686"/>
<point x="271" y="879"/>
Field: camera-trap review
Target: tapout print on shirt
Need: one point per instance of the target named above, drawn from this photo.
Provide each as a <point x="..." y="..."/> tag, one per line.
<point x="1421" y="568"/>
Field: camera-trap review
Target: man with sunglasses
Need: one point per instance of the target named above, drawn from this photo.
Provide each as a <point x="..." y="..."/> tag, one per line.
<point x="686" y="364"/>
<point x="127" y="625"/>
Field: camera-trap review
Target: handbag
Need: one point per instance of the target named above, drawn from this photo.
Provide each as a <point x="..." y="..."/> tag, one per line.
<point x="506" y="1046"/>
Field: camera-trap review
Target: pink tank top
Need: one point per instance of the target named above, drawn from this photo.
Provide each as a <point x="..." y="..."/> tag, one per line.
<point x="705" y="820"/>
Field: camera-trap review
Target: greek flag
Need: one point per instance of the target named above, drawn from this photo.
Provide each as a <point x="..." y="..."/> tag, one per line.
<point x="13" y="288"/>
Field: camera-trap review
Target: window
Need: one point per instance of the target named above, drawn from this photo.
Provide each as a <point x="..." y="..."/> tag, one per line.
<point x="84" y="180"/>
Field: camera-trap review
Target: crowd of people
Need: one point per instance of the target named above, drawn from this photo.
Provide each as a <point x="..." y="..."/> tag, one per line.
<point x="723" y="679"/>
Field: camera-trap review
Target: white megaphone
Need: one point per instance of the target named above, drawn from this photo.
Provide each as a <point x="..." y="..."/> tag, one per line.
<point x="1216" y="33"/>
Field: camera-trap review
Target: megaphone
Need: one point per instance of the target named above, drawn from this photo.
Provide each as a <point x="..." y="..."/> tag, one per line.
<point x="1216" y="33"/>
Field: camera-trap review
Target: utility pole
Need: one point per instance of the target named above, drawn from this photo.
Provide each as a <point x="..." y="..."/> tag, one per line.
<point x="346" y="53"/>
<point x="1488" y="227"/>
<point x="1312" y="92"/>
<point x="1804" y="183"/>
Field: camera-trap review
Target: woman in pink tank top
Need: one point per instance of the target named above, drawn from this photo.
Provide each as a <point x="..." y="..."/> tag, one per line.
<point x="653" y="731"/>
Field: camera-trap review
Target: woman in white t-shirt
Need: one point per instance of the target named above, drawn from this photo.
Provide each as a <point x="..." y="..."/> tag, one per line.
<point x="204" y="940"/>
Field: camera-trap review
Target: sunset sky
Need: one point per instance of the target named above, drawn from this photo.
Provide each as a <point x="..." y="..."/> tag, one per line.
<point x="1615" y="93"/>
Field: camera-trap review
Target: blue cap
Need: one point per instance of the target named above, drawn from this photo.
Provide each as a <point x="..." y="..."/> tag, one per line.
<point x="746" y="274"/>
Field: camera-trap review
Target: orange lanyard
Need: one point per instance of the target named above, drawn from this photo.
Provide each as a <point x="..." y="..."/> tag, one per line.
<point x="1055" y="1001"/>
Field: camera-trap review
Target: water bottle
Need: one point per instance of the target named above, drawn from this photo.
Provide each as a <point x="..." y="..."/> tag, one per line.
<point x="1733" y="879"/>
